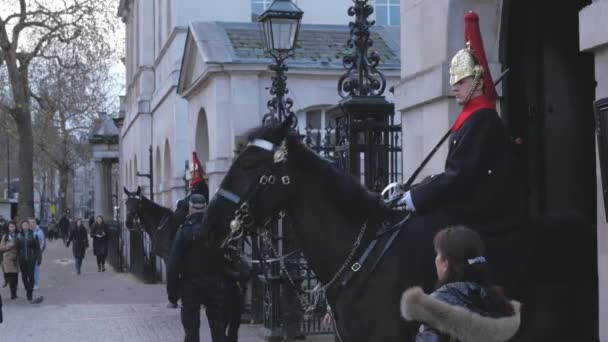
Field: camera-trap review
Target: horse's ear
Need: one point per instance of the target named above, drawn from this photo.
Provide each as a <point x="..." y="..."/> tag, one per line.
<point x="138" y="192"/>
<point x="126" y="191"/>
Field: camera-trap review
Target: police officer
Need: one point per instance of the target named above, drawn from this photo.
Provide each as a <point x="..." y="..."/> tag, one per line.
<point x="195" y="274"/>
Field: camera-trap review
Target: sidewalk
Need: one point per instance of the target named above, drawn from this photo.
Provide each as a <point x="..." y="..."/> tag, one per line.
<point x="94" y="306"/>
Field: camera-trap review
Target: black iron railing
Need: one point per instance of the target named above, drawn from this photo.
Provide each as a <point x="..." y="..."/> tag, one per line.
<point x="115" y="246"/>
<point x="141" y="256"/>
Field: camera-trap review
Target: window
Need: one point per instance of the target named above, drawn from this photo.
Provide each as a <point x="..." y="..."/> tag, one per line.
<point x="387" y="12"/>
<point x="258" y="7"/>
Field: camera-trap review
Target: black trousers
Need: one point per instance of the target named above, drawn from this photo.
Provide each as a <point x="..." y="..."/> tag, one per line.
<point x="235" y="295"/>
<point x="27" y="275"/>
<point x="211" y="292"/>
<point x="101" y="261"/>
<point x="12" y="279"/>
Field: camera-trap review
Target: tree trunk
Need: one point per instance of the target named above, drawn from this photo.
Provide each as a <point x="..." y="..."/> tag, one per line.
<point x="26" y="165"/>
<point x="43" y="195"/>
<point x="64" y="174"/>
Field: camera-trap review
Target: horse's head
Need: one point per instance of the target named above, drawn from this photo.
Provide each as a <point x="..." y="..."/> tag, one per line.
<point x="133" y="204"/>
<point x="257" y="185"/>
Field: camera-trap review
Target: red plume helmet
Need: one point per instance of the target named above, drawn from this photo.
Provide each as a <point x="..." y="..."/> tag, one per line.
<point x="198" y="173"/>
<point x="472" y="38"/>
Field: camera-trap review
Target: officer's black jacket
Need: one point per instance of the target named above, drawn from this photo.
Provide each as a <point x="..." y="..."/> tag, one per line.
<point x="192" y="260"/>
<point x="28" y="246"/>
<point x="479" y="183"/>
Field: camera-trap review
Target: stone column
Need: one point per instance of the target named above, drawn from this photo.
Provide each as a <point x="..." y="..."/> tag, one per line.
<point x="98" y="187"/>
<point x="594" y="38"/>
<point x="107" y="191"/>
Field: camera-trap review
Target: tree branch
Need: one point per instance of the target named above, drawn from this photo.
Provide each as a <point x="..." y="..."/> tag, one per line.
<point x="38" y="99"/>
<point x="19" y="26"/>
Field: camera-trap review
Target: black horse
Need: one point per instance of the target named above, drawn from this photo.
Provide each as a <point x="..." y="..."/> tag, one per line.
<point x="331" y="211"/>
<point x="161" y="225"/>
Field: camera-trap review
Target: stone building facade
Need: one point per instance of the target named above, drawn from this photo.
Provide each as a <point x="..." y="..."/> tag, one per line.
<point x="183" y="45"/>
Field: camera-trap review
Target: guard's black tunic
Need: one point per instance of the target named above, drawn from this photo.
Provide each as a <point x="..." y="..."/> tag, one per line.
<point x="479" y="186"/>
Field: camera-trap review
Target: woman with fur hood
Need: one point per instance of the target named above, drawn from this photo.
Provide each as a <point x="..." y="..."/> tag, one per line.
<point x="465" y="307"/>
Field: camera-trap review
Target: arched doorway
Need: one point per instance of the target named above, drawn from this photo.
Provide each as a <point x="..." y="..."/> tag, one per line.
<point x="202" y="137"/>
<point x="548" y="98"/>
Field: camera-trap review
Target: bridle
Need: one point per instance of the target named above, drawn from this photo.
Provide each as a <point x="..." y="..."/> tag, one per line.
<point x="276" y="174"/>
<point x="243" y="215"/>
<point x="136" y="214"/>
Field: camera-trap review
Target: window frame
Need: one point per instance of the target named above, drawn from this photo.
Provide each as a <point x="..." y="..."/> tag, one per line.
<point x="265" y="4"/>
<point x="387" y="6"/>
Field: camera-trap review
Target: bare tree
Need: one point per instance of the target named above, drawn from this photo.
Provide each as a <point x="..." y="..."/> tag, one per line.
<point x="69" y="101"/>
<point x="39" y="29"/>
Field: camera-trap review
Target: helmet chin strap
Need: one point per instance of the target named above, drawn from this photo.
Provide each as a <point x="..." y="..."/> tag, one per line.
<point x="472" y="89"/>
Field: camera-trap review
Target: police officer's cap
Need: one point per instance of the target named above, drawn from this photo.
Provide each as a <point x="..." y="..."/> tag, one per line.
<point x="198" y="201"/>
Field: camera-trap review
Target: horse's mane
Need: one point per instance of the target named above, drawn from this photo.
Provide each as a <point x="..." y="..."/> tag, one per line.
<point x="340" y="187"/>
<point x="149" y="202"/>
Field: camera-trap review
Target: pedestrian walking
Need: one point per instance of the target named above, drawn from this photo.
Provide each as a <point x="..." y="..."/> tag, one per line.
<point x="39" y="233"/>
<point x="99" y="233"/>
<point x="53" y="229"/>
<point x="80" y="242"/>
<point x="64" y="227"/>
<point x="3" y="230"/>
<point x="466" y="306"/>
<point x="28" y="250"/>
<point x="10" y="261"/>
<point x="197" y="283"/>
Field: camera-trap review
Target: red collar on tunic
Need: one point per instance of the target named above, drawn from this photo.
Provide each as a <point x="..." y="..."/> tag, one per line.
<point x="480" y="102"/>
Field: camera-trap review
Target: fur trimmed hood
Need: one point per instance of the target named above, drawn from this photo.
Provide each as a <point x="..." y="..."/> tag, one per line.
<point x="456" y="321"/>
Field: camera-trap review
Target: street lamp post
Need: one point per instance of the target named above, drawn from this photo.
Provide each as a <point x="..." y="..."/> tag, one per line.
<point x="186" y="180"/>
<point x="280" y="25"/>
<point x="149" y="175"/>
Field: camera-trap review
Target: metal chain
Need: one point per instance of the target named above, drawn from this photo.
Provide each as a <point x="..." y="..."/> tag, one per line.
<point x="317" y="292"/>
<point x="346" y="262"/>
<point x="304" y="302"/>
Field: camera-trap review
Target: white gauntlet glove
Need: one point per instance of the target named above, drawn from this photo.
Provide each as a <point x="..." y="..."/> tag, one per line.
<point x="407" y="201"/>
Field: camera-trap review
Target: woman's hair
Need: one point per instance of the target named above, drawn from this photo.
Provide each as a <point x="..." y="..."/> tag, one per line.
<point x="460" y="246"/>
<point x="99" y="217"/>
<point x="13" y="223"/>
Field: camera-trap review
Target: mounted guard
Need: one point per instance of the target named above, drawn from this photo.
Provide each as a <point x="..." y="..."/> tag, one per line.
<point x="478" y="187"/>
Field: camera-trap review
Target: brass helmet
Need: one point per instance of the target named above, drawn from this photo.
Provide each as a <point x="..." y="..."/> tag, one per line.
<point x="463" y="65"/>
